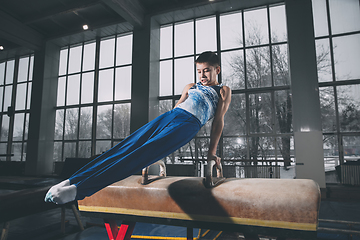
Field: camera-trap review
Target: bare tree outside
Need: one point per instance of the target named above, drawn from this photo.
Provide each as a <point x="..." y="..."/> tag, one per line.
<point x="259" y="68"/>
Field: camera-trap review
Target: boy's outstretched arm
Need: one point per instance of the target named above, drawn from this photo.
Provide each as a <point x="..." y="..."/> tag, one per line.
<point x="218" y="123"/>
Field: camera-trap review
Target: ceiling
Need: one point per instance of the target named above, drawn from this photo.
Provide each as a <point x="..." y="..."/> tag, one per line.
<point x="25" y="25"/>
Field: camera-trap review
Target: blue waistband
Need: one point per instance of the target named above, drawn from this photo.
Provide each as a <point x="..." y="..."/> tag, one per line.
<point x="183" y="111"/>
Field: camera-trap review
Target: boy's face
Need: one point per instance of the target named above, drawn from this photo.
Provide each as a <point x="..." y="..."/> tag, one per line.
<point x="207" y="73"/>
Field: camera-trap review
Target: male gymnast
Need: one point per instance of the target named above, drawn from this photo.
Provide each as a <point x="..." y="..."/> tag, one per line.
<point x="199" y="102"/>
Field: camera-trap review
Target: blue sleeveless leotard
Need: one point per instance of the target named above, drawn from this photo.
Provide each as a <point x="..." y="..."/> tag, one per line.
<point x="202" y="101"/>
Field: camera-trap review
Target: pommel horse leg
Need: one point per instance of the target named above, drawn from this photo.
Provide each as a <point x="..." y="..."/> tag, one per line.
<point x="114" y="233"/>
<point x="189" y="233"/>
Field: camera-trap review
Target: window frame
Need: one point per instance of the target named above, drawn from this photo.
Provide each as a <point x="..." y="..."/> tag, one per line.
<point x="94" y="142"/>
<point x="246" y="91"/>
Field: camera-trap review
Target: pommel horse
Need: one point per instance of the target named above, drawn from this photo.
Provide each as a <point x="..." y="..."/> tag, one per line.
<point x="272" y="207"/>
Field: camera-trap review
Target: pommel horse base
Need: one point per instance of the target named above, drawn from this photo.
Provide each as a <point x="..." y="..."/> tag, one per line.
<point x="272" y="207"/>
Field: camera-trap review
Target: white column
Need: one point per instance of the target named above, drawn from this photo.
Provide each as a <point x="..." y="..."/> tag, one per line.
<point x="145" y="74"/>
<point x="40" y="144"/>
<point x="308" y="138"/>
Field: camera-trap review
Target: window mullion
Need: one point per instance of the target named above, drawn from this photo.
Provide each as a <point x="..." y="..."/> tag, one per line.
<point x="173" y="64"/>
<point x="11" y="111"/>
<point x="95" y="97"/>
<point x="80" y="95"/>
<point x="113" y="93"/>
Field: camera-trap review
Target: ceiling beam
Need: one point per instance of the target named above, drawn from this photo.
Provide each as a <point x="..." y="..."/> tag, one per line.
<point x="132" y="11"/>
<point x="15" y="31"/>
<point x="66" y="9"/>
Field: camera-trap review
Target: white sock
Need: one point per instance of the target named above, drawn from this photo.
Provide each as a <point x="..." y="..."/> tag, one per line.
<point x="64" y="183"/>
<point x="64" y="194"/>
<point x="61" y="193"/>
<point x="59" y="185"/>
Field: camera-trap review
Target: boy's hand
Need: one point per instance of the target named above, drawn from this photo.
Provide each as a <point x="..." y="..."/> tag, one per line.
<point x="215" y="158"/>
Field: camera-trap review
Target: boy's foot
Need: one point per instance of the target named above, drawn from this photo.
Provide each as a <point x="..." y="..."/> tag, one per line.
<point x="61" y="193"/>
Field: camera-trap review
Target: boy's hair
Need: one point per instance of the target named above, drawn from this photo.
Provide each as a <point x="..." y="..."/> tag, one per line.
<point x="208" y="57"/>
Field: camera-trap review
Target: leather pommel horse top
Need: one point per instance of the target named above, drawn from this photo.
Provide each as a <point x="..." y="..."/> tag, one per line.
<point x="275" y="203"/>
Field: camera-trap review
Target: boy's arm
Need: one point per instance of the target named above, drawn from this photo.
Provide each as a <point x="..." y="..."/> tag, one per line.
<point x="218" y="123"/>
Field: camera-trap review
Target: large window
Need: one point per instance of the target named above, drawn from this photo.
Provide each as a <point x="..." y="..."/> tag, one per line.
<point x="94" y="97"/>
<point x="15" y="94"/>
<point x="337" y="32"/>
<point x="252" y="44"/>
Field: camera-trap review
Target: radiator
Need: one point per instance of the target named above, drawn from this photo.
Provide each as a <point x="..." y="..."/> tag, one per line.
<point x="350" y="174"/>
<point x="261" y="171"/>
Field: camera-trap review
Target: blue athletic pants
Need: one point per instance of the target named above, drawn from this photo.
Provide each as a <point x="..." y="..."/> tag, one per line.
<point x="150" y="143"/>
